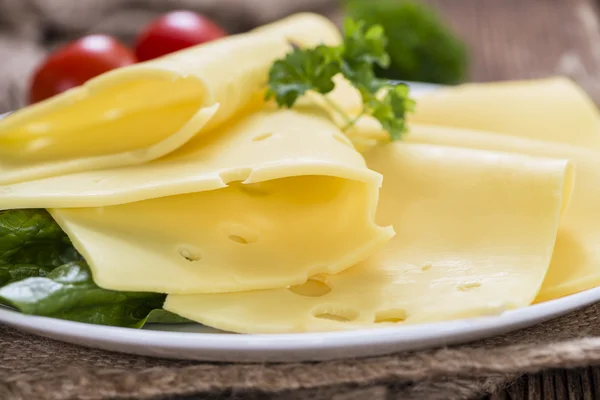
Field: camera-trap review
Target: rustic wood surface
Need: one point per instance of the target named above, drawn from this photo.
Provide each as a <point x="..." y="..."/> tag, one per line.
<point x="513" y="39"/>
<point x="575" y="384"/>
<point x="520" y="39"/>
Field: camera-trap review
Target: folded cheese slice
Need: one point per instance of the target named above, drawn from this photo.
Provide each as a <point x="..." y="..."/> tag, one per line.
<point x="575" y="264"/>
<point x="475" y="234"/>
<point x="142" y="112"/>
<point x="260" y="203"/>
<point x="554" y="109"/>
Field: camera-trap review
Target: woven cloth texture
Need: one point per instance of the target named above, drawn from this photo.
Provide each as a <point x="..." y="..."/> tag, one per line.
<point x="37" y="368"/>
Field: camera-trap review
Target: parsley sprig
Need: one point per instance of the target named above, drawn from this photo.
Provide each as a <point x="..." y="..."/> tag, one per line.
<point x="313" y="69"/>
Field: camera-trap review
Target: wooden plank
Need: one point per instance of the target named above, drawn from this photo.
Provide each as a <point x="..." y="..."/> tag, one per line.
<point x="521" y="39"/>
<point x="587" y="384"/>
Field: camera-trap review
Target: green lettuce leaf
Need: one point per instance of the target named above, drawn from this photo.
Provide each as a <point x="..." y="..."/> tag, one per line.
<point x="5" y="277"/>
<point x="32" y="244"/>
<point x="68" y="292"/>
<point x="20" y="229"/>
<point x="161" y="316"/>
<point x="41" y="273"/>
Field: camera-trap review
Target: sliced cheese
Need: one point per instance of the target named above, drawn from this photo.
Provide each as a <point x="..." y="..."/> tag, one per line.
<point x="243" y="237"/>
<point x="260" y="146"/>
<point x="305" y="29"/>
<point x="260" y="203"/>
<point x="553" y="109"/>
<point x="576" y="261"/>
<point x="139" y="113"/>
<point x="475" y="234"/>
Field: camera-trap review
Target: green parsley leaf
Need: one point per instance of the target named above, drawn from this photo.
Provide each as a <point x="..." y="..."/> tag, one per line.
<point x="422" y="47"/>
<point x="391" y="110"/>
<point x="313" y="69"/>
<point x="301" y="71"/>
<point x="362" y="47"/>
<point x="362" y="50"/>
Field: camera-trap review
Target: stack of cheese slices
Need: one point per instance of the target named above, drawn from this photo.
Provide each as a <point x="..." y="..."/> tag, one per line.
<point x="174" y="176"/>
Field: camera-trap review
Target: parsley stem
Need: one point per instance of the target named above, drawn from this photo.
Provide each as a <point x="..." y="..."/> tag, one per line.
<point x="335" y="107"/>
<point x="351" y="123"/>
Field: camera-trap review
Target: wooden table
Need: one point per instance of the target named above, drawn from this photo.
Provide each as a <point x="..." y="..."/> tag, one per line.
<point x="520" y="39"/>
<point x="512" y="39"/>
<point x="573" y="384"/>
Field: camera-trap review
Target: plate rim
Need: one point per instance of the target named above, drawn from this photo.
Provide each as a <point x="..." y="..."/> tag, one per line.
<point x="293" y="347"/>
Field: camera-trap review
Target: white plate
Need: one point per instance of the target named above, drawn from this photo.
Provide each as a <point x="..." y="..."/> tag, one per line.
<point x="196" y="342"/>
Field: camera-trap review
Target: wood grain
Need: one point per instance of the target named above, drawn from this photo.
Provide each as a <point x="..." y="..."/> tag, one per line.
<point x="572" y="384"/>
<point x="520" y="39"/>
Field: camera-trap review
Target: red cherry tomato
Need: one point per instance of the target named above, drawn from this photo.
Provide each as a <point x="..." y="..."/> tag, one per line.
<point x="175" y="31"/>
<point x="76" y="63"/>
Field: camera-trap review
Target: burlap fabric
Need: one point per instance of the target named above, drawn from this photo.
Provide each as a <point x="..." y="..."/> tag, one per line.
<point x="36" y="368"/>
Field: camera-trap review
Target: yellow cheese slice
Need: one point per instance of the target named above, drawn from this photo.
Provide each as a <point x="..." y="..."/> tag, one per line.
<point x="304" y="29"/>
<point x="142" y="112"/>
<point x="260" y="203"/>
<point x="554" y="109"/>
<point x="260" y="146"/>
<point x="576" y="261"/>
<point x="475" y="234"/>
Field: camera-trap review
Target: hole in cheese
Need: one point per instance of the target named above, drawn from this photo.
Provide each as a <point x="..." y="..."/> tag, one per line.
<point x="335" y="313"/>
<point x="238" y="239"/>
<point x="262" y="137"/>
<point x="239" y="233"/>
<point x="426" y="267"/>
<point x="189" y="253"/>
<point x="311" y="288"/>
<point x="391" y="316"/>
<point x="465" y="286"/>
<point x="118" y="115"/>
<point x="340" y="137"/>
